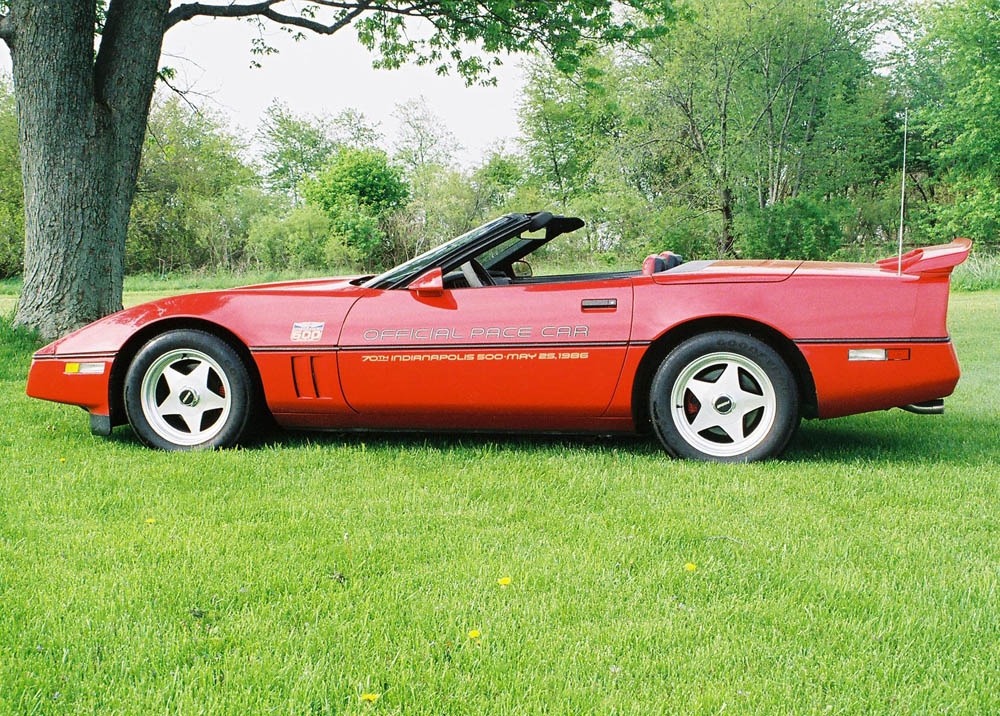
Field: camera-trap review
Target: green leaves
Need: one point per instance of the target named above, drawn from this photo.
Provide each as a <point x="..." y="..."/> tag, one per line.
<point x="11" y="191"/>
<point x="364" y="175"/>
<point x="736" y="107"/>
<point x="798" y="228"/>
<point x="358" y="190"/>
<point x="293" y="148"/>
<point x="469" y="37"/>
<point x="195" y="191"/>
<point x="300" y="240"/>
<point x="954" y="75"/>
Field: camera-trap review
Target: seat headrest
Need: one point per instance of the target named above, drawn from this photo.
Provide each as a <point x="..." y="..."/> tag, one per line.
<point x="656" y="263"/>
<point x="653" y="264"/>
<point x="672" y="259"/>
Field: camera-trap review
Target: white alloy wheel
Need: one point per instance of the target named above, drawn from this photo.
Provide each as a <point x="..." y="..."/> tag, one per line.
<point x="723" y="404"/>
<point x="186" y="397"/>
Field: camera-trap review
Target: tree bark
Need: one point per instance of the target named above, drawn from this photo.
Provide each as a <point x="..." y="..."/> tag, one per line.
<point x="726" y="209"/>
<point x="82" y="123"/>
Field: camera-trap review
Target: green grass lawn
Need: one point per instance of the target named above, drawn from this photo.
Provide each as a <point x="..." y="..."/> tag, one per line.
<point x="133" y="298"/>
<point x="858" y="575"/>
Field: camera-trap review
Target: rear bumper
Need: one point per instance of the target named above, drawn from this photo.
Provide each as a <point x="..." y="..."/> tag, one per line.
<point x="52" y="378"/>
<point x="844" y="387"/>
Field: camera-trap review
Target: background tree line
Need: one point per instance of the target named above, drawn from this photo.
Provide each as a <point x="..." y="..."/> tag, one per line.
<point x="755" y="129"/>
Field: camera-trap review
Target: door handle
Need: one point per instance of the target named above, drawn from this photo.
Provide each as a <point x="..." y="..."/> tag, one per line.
<point x="599" y="304"/>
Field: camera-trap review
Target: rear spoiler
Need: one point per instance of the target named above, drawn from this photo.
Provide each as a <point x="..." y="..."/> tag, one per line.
<point x="940" y="259"/>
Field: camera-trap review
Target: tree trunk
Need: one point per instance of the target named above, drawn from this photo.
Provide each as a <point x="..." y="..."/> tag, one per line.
<point x="726" y="208"/>
<point x="82" y="123"/>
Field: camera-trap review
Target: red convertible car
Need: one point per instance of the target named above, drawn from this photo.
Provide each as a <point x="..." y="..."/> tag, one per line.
<point x="720" y="359"/>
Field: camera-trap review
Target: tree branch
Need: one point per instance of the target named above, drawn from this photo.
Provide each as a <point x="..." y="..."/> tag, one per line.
<point x="183" y="94"/>
<point x="265" y="9"/>
<point x="6" y="28"/>
<point x="194" y="9"/>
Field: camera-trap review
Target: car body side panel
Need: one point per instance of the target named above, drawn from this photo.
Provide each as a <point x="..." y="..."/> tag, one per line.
<point x="487" y="353"/>
<point x="302" y="382"/>
<point x="263" y="320"/>
<point x="864" y="306"/>
<point x="827" y="309"/>
<point x="458" y="422"/>
<point x="621" y="401"/>
<point x="483" y="384"/>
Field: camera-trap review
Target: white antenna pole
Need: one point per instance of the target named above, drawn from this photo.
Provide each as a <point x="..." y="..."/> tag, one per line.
<point x="902" y="198"/>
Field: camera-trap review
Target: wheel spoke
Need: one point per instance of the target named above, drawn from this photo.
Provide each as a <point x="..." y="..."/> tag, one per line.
<point x="192" y="418"/>
<point x="211" y="401"/>
<point x="174" y="378"/>
<point x="702" y="390"/>
<point x="171" y="405"/>
<point x="729" y="381"/>
<point x="748" y="402"/>
<point x="705" y="419"/>
<point x="732" y="425"/>
<point x="198" y="378"/>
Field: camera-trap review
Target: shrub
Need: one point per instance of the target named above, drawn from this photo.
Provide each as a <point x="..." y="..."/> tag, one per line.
<point x="798" y="228"/>
<point x="978" y="273"/>
<point x="11" y="240"/>
<point x="358" y="190"/>
<point x="303" y="239"/>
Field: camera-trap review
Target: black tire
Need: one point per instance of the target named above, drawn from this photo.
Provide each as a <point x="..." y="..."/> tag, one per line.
<point x="761" y="433"/>
<point x="166" y="432"/>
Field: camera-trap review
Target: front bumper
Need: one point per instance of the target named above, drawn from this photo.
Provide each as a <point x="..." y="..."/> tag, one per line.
<point x="53" y="377"/>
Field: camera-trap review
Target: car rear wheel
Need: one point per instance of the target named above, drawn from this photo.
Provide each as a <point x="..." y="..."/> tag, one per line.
<point x="188" y="390"/>
<point x="726" y="397"/>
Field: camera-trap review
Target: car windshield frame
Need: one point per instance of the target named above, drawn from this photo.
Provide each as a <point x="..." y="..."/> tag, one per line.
<point x="394" y="277"/>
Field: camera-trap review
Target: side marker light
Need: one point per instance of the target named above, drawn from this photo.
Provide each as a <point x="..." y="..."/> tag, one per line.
<point x="854" y="354"/>
<point x="84" y="369"/>
<point x="869" y="354"/>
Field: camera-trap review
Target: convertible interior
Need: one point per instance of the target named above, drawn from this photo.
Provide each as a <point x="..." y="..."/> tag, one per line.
<point x="504" y="264"/>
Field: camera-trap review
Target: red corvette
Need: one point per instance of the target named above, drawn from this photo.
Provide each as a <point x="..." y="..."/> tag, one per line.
<point x="720" y="359"/>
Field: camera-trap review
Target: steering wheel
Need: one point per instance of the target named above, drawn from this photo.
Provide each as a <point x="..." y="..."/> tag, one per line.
<point x="476" y="275"/>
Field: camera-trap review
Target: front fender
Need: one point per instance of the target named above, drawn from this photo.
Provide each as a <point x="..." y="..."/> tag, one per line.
<point x="109" y="334"/>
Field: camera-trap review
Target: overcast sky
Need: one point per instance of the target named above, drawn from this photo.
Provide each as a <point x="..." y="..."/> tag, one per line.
<point x="323" y="75"/>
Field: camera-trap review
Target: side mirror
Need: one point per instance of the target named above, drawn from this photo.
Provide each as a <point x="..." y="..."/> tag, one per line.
<point x="428" y="285"/>
<point x="521" y="269"/>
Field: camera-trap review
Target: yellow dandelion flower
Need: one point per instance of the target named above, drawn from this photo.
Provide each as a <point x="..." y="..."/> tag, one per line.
<point x="150" y="521"/>
<point x="370" y="698"/>
<point x="503" y="581"/>
<point x="475" y="634"/>
<point x="690" y="566"/>
<point x="62" y="459"/>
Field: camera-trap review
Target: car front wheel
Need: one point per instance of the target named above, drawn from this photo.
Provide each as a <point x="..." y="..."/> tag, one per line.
<point x="188" y="390"/>
<point x="726" y="397"/>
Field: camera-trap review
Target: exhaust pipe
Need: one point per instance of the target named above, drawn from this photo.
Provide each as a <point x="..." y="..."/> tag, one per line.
<point x="928" y="407"/>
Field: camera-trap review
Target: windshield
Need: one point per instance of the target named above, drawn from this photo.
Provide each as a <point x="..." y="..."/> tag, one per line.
<point x="430" y="259"/>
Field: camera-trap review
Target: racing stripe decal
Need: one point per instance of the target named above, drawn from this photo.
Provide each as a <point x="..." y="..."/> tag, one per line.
<point x="443" y="346"/>
<point x="943" y="339"/>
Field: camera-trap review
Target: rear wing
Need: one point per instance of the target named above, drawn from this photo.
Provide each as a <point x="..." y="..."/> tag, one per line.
<point x="940" y="259"/>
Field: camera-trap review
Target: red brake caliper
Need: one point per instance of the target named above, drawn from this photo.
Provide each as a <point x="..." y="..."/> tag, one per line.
<point x="691" y="406"/>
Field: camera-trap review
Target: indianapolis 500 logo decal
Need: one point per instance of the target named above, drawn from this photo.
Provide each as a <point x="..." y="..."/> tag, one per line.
<point x="307" y="332"/>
